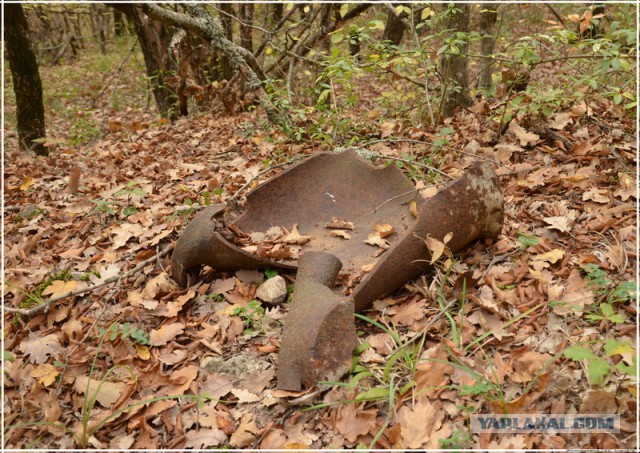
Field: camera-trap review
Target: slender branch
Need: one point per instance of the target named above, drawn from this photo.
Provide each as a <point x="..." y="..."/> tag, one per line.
<point x="115" y="74"/>
<point x="556" y="14"/>
<point x="47" y="304"/>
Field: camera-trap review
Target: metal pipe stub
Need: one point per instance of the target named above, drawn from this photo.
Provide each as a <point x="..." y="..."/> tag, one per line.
<point x="320" y="333"/>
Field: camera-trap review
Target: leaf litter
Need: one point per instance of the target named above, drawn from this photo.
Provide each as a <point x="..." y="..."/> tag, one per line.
<point x="528" y="297"/>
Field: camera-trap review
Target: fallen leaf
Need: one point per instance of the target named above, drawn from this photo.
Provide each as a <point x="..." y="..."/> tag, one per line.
<point x="353" y="421"/>
<point x="28" y="182"/>
<point x="559" y="223"/>
<point x="204" y="438"/>
<point x="387" y="128"/>
<point x="409" y="312"/>
<point x="560" y="120"/>
<point x="595" y="194"/>
<point x="576" y="295"/>
<point x="413" y="208"/>
<point x="375" y="239"/>
<point x="108" y="393"/>
<point x="45" y="374"/>
<point x="525" y="138"/>
<point x="340" y="224"/>
<point x="165" y="334"/>
<point x="40" y="348"/>
<point x="526" y="364"/>
<point x="384" y="229"/>
<point x="245" y="433"/>
<point x="421" y="425"/>
<point x="340" y="234"/>
<point x="59" y="288"/>
<point x="294" y="237"/>
<point x="143" y="352"/>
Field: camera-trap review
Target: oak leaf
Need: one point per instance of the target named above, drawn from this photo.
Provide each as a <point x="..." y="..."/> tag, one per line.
<point x="40" y="348"/>
<point x="59" y="288"/>
<point x="107" y="392"/>
<point x="165" y="334"/>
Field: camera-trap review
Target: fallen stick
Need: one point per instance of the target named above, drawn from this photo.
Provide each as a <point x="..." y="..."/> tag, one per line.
<point x="47" y="304"/>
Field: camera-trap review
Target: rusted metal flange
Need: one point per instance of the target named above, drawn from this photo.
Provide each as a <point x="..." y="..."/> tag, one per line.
<point x="345" y="186"/>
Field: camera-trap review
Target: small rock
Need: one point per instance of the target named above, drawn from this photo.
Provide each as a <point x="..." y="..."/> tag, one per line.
<point x="273" y="291"/>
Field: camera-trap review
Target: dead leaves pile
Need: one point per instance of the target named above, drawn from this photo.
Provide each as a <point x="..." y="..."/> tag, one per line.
<point x="525" y="300"/>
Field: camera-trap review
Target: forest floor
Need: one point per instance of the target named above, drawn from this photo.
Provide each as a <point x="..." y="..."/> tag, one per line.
<point x="547" y="326"/>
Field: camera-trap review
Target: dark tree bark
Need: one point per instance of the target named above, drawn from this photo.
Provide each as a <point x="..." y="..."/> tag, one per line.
<point x="119" y="24"/>
<point x="154" y="41"/>
<point x="26" y="80"/>
<point x="394" y="29"/>
<point x="276" y="12"/>
<point x="227" y="25"/>
<point x="246" y="22"/>
<point x="455" y="68"/>
<point x="488" y="16"/>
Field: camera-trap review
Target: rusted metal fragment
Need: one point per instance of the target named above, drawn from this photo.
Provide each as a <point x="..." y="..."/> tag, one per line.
<point x="320" y="333"/>
<point x="317" y="341"/>
<point x="201" y="243"/>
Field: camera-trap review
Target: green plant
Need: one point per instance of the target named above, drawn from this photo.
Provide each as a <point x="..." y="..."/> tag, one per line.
<point x="83" y="130"/>
<point x="124" y="331"/>
<point x="527" y="241"/>
<point x="607" y="296"/>
<point x="251" y="316"/>
<point x="599" y="368"/>
<point x="459" y="439"/>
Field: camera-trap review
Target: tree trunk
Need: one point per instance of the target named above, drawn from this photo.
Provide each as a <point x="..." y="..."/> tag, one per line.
<point x="488" y="16"/>
<point x="227" y="25"/>
<point x="119" y="24"/>
<point x="246" y="23"/>
<point x="154" y="41"/>
<point x="26" y="80"/>
<point x="276" y="12"/>
<point x="393" y="29"/>
<point x="455" y="68"/>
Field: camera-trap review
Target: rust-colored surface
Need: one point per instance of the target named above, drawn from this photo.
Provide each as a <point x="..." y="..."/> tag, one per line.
<point x="320" y="333"/>
<point x="342" y="185"/>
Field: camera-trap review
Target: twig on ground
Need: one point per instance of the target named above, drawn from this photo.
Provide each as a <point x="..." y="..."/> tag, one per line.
<point x="47" y="304"/>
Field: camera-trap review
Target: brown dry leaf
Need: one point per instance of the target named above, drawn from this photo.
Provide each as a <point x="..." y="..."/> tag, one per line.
<point x="40" y="348"/>
<point x="387" y="128"/>
<point x="421" y="426"/>
<point x="45" y="374"/>
<point x="161" y="283"/>
<point x="525" y="138"/>
<point x="294" y="237"/>
<point x="436" y="247"/>
<point x="340" y="224"/>
<point x="409" y="312"/>
<point x="543" y="260"/>
<point x="204" y="438"/>
<point x="599" y="402"/>
<point x="352" y="421"/>
<point x="339" y="234"/>
<point x="122" y="233"/>
<point x="384" y="229"/>
<point x="59" y="288"/>
<point x="172" y="308"/>
<point x="108" y="394"/>
<point x="245" y="433"/>
<point x="28" y="182"/>
<point x="627" y="187"/>
<point x="576" y="295"/>
<point x="143" y="352"/>
<point x="165" y="334"/>
<point x="560" y="120"/>
<point x="527" y="364"/>
<point x="560" y="223"/>
<point x="368" y="267"/>
<point x="486" y="299"/>
<point x="595" y="194"/>
<point x="375" y="239"/>
<point x="432" y="372"/>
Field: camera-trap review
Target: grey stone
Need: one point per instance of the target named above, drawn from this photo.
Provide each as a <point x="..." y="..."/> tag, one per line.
<point x="273" y="291"/>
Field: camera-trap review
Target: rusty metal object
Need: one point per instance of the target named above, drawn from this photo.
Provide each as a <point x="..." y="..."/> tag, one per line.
<point x="343" y="185"/>
<point x="318" y="317"/>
